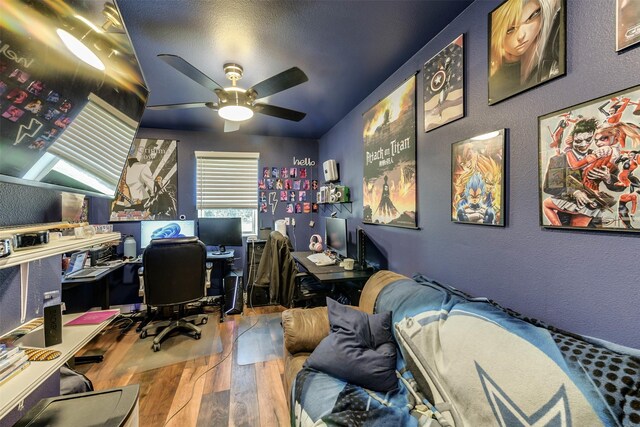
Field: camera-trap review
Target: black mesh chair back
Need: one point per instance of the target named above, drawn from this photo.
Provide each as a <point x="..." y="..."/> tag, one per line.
<point x="174" y="271"/>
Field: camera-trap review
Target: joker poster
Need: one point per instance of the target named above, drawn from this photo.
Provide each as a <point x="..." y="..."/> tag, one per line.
<point x="148" y="184"/>
<point x="389" y="182"/>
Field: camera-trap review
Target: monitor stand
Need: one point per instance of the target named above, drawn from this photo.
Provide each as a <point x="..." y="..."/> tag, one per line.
<point x="222" y="250"/>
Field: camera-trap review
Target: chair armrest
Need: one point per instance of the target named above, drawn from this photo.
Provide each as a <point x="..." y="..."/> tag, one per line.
<point x="304" y="328"/>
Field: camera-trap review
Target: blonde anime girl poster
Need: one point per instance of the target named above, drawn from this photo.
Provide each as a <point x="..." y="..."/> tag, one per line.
<point x="527" y="46"/>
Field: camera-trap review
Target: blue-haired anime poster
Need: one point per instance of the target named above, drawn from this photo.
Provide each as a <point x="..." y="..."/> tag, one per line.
<point x="147" y="189"/>
<point x="477" y="179"/>
<point x="389" y="182"/>
<point x="589" y="157"/>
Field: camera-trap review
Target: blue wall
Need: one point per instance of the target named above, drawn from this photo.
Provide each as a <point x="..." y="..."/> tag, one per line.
<point x="273" y="152"/>
<point x="586" y="282"/>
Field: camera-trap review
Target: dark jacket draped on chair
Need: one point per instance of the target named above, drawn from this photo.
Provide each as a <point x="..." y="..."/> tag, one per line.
<point x="277" y="269"/>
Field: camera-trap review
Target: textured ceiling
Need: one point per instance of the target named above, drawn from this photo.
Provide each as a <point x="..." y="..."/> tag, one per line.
<point x="346" y="48"/>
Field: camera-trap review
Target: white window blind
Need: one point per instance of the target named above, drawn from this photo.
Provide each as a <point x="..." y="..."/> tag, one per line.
<point x="227" y="180"/>
<point x="97" y="140"/>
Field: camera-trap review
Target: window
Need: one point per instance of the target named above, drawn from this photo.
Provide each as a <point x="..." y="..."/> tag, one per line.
<point x="226" y="187"/>
<point x="91" y="150"/>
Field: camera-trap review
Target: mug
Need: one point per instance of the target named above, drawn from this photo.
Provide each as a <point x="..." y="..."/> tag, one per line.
<point x="348" y="263"/>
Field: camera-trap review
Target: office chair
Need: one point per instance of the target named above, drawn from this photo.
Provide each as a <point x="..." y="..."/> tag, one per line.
<point x="288" y="286"/>
<point x="174" y="274"/>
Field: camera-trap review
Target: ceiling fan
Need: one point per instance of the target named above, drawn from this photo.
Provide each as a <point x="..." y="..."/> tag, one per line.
<point x="234" y="103"/>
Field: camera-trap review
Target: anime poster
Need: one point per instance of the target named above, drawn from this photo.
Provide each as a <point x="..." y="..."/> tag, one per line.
<point x="444" y="86"/>
<point x="527" y="45"/>
<point x="477" y="180"/>
<point x="147" y="189"/>
<point x="627" y="23"/>
<point x="389" y="182"/>
<point x="589" y="156"/>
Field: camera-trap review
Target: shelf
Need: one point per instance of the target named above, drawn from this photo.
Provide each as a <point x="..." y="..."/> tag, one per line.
<point x="73" y="339"/>
<point x="56" y="247"/>
<point x="337" y="205"/>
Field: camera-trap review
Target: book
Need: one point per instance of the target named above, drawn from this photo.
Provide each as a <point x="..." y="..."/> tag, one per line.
<point x="8" y="352"/>
<point x="93" y="317"/>
<point x="7" y="363"/>
<point x="13" y="373"/>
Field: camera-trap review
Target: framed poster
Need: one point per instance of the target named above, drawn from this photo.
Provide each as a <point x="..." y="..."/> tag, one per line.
<point x="147" y="189"/>
<point x="444" y="86"/>
<point x="477" y="179"/>
<point x="527" y="46"/>
<point x="627" y="23"/>
<point x="389" y="180"/>
<point x="588" y="159"/>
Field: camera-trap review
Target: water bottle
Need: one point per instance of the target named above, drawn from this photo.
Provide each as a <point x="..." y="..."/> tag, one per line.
<point x="130" y="247"/>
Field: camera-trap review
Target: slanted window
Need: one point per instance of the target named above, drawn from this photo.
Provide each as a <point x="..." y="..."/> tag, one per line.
<point x="226" y="187"/>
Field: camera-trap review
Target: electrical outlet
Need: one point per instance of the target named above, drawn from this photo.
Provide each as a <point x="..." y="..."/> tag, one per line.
<point x="287" y="221"/>
<point x="293" y="222"/>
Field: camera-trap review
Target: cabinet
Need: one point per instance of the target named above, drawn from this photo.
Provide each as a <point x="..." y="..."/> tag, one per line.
<point x="256" y="295"/>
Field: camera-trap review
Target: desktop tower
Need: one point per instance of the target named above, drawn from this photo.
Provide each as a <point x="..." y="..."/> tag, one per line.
<point x="233" y="302"/>
<point x="256" y="295"/>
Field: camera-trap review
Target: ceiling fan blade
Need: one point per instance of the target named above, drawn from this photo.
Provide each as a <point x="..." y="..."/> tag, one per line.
<point x="190" y="71"/>
<point x="283" y="81"/>
<point x="230" y="126"/>
<point x="281" y="113"/>
<point x="211" y="105"/>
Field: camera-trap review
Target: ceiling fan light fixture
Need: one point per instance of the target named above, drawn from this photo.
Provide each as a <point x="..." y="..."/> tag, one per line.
<point x="235" y="113"/>
<point x="80" y="50"/>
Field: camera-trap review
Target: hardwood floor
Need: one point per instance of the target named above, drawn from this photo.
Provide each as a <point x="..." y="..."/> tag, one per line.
<point x="197" y="392"/>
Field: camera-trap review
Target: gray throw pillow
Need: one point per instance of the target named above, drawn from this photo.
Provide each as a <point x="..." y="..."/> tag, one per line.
<point x="359" y="349"/>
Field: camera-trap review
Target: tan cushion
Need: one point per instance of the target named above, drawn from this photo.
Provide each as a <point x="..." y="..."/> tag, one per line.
<point x="293" y="365"/>
<point x="374" y="285"/>
<point x="304" y="328"/>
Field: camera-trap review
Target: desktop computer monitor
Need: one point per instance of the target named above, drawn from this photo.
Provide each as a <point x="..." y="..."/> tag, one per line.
<point x="164" y="229"/>
<point x="220" y="232"/>
<point x="369" y="255"/>
<point x="336" y="236"/>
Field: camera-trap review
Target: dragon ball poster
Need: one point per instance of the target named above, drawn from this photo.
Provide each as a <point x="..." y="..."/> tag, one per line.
<point x="589" y="156"/>
<point x="477" y="180"/>
<point x="389" y="180"/>
<point x="444" y="86"/>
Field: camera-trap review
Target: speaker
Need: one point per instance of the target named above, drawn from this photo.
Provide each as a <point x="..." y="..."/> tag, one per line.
<point x="51" y="332"/>
<point x="330" y="170"/>
<point x="233" y="295"/>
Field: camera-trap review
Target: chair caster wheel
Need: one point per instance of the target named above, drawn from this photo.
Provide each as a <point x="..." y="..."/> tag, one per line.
<point x="143" y="334"/>
<point x="156" y="347"/>
<point x="204" y="321"/>
<point x="196" y="336"/>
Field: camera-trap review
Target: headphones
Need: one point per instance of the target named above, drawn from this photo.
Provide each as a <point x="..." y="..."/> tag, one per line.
<point x="315" y="243"/>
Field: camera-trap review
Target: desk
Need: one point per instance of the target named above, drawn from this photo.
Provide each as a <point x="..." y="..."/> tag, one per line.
<point x="100" y="284"/>
<point x="73" y="339"/>
<point x="330" y="273"/>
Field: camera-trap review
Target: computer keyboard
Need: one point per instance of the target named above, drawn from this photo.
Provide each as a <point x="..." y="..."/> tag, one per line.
<point x="321" y="259"/>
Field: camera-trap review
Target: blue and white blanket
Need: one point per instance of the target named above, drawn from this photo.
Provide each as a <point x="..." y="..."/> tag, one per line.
<point x="477" y="364"/>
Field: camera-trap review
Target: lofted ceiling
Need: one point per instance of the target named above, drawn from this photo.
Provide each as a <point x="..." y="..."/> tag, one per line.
<point x="346" y="47"/>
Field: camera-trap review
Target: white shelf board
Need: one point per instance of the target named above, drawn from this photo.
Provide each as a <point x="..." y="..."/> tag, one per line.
<point x="73" y="339"/>
<point x="56" y="247"/>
